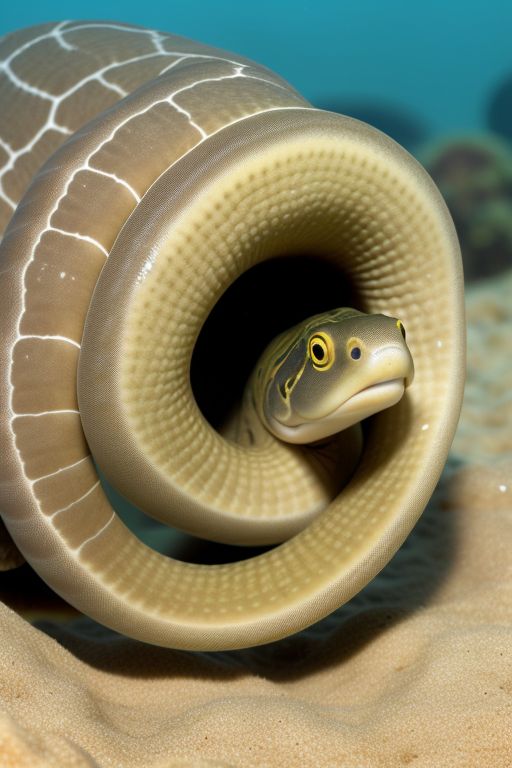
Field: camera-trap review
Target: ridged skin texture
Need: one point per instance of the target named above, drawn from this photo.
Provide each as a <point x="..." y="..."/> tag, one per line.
<point x="195" y="166"/>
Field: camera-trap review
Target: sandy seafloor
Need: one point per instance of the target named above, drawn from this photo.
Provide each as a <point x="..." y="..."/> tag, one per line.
<point x="415" y="671"/>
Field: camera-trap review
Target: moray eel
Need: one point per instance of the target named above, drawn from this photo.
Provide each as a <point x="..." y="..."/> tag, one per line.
<point x="141" y="176"/>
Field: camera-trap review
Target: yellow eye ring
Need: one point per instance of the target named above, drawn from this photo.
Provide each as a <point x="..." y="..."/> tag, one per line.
<point x="355" y="348"/>
<point x="321" y="351"/>
<point x="401" y="328"/>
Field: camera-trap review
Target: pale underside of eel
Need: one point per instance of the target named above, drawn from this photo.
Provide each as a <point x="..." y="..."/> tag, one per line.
<point x="172" y="168"/>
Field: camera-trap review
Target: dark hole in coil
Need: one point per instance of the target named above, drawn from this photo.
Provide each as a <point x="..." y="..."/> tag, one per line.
<point x="267" y="299"/>
<point x="263" y="302"/>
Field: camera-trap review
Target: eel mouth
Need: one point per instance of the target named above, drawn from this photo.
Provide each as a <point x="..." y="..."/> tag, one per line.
<point x="363" y="404"/>
<point x="370" y="400"/>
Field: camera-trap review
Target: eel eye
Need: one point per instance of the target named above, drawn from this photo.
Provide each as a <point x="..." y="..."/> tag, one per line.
<point x="321" y="351"/>
<point x="400" y="328"/>
<point x="355" y="348"/>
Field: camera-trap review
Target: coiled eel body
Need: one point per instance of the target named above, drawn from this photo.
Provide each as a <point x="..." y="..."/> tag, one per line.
<point x="155" y="171"/>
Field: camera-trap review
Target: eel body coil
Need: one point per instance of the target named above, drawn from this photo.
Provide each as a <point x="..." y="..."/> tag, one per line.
<point x="141" y="174"/>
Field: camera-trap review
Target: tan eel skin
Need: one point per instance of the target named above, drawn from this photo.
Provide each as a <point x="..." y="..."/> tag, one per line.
<point x="174" y="168"/>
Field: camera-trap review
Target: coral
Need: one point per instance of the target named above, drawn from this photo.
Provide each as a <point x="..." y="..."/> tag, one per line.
<point x="474" y="174"/>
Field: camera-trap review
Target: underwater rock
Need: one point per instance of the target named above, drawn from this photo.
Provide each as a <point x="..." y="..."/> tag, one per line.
<point x="474" y="174"/>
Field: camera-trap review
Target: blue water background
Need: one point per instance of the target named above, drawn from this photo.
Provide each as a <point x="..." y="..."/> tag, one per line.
<point x="433" y="64"/>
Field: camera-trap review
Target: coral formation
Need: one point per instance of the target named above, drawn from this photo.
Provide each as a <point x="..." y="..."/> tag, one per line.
<point x="474" y="173"/>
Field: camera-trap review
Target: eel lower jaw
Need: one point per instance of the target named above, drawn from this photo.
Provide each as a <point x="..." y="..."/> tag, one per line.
<point x="360" y="406"/>
<point x="367" y="402"/>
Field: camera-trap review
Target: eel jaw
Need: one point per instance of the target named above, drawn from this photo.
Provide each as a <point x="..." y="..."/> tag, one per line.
<point x="363" y="404"/>
<point x="368" y="401"/>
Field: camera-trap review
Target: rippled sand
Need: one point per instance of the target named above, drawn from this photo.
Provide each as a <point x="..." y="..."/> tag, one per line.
<point x="416" y="671"/>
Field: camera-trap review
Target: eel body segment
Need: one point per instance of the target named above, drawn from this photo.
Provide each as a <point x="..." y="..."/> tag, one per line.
<point x="152" y="171"/>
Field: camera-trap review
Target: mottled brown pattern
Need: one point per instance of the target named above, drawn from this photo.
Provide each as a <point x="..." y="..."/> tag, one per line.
<point x="47" y="442"/>
<point x="131" y="75"/>
<point x="15" y="129"/>
<point x="79" y="262"/>
<point x="17" y="179"/>
<point x="76" y="110"/>
<point x="55" y="362"/>
<point x="137" y="137"/>
<point x="101" y="193"/>
<point x="83" y="518"/>
<point x="53" y="494"/>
